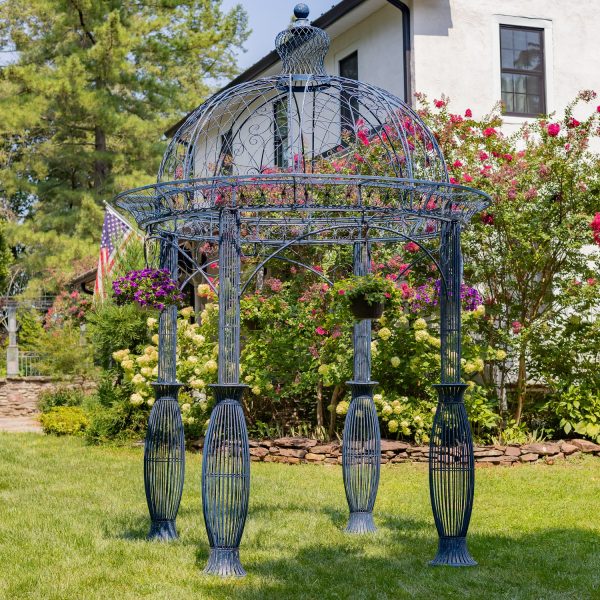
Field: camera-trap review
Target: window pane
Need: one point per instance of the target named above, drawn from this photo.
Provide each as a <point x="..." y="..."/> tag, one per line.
<point x="534" y="105"/>
<point x="506" y="38"/>
<point x="507" y="59"/>
<point x="507" y="100"/>
<point x="522" y="70"/>
<point x="520" y="84"/>
<point x="520" y="103"/>
<point x="507" y="82"/>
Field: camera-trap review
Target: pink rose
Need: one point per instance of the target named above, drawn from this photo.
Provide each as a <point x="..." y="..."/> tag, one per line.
<point x="362" y="136"/>
<point x="411" y="247"/>
<point x="467" y="177"/>
<point x="341" y="292"/>
<point x="553" y="129"/>
<point x="439" y="103"/>
<point x="516" y="327"/>
<point x="468" y="113"/>
<point x="573" y="122"/>
<point x="457" y="164"/>
<point x="320" y="331"/>
<point x="489" y="132"/>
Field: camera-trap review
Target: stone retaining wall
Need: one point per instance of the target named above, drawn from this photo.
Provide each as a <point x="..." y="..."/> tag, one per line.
<point x="294" y="450"/>
<point x="19" y="395"/>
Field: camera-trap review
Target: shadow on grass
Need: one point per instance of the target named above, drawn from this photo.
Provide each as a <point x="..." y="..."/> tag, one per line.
<point x="553" y="564"/>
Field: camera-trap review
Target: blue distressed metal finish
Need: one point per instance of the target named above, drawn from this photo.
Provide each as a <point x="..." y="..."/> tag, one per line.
<point x="226" y="481"/>
<point x="253" y="170"/>
<point x="164" y="450"/>
<point x="451" y="462"/>
<point x="226" y="454"/>
<point x="361" y="446"/>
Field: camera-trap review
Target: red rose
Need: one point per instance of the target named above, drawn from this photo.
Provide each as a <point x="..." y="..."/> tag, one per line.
<point x="553" y="129"/>
<point x="439" y="103"/>
<point x="469" y="114"/>
<point x="457" y="164"/>
<point x="489" y="132"/>
<point x="341" y="292"/>
<point x="573" y="122"/>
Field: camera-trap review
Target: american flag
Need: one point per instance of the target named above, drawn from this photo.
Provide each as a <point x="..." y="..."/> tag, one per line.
<point x="115" y="233"/>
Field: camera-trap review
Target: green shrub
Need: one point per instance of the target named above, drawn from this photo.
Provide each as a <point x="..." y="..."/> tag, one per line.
<point x="64" y="420"/>
<point x="115" y="327"/>
<point x="60" y="396"/>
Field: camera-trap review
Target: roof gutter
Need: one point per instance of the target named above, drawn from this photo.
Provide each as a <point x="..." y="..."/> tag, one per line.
<point x="406" y="48"/>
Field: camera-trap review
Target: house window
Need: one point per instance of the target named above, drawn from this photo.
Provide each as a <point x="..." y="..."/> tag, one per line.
<point x="280" y="133"/>
<point x="349" y="101"/>
<point x="227" y="153"/>
<point x="522" y="70"/>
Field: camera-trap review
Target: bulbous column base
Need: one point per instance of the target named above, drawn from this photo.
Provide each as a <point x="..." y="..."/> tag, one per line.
<point x="163" y="531"/>
<point x="361" y="522"/>
<point x="453" y="552"/>
<point x="224" y="562"/>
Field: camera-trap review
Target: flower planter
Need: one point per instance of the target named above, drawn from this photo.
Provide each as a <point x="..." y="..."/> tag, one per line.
<point x="361" y="309"/>
<point x="252" y="324"/>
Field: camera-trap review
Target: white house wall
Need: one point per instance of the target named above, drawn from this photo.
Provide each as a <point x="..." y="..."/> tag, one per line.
<point x="456" y="49"/>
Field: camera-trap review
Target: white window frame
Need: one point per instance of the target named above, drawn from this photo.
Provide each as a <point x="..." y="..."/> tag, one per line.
<point x="546" y="26"/>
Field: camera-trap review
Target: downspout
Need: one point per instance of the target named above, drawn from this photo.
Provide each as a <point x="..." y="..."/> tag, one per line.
<point x="406" y="48"/>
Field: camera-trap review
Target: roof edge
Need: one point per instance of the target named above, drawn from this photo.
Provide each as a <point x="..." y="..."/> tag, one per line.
<point x="325" y="20"/>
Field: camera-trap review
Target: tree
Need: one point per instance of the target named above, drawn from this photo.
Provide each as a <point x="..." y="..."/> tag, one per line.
<point x="527" y="252"/>
<point x="84" y="105"/>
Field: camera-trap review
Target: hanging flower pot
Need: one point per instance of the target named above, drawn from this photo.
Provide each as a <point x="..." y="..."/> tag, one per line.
<point x="252" y="323"/>
<point x="148" y="288"/>
<point x="366" y="295"/>
<point x="362" y="309"/>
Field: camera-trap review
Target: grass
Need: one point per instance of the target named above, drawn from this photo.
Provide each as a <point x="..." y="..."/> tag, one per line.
<point x="73" y="521"/>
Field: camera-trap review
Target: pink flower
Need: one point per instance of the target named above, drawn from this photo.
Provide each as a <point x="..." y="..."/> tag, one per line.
<point x="457" y="164"/>
<point x="591" y="281"/>
<point x="320" y="331"/>
<point x="411" y="247"/>
<point x="456" y="119"/>
<point x="468" y="113"/>
<point x="573" y="122"/>
<point x="512" y="194"/>
<point x="553" y="129"/>
<point x="567" y="147"/>
<point x="531" y="193"/>
<point x="341" y="292"/>
<point x="453" y="180"/>
<point x="508" y="157"/>
<point x="516" y="327"/>
<point x="595" y="227"/>
<point x="467" y="177"/>
<point x="598" y="108"/>
<point x="358" y="157"/>
<point x="483" y="156"/>
<point x="439" y="103"/>
<point x="362" y="136"/>
<point x="489" y="132"/>
<point x="318" y="268"/>
<point x="487" y="218"/>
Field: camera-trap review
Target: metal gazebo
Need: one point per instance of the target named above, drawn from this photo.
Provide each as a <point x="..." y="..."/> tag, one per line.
<point x="253" y="170"/>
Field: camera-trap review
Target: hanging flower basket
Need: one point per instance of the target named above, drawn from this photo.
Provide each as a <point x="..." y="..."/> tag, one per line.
<point x="148" y="288"/>
<point x="362" y="309"/>
<point x="366" y="295"/>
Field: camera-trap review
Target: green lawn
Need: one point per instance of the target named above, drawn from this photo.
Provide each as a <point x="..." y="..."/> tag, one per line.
<point x="73" y="521"/>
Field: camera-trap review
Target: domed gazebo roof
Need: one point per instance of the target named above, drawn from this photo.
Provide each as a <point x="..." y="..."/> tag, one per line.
<point x="301" y="152"/>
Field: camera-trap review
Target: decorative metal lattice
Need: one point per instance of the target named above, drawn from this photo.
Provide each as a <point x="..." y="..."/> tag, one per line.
<point x="266" y="167"/>
<point x="451" y="461"/>
<point x="164" y="453"/>
<point x="361" y="446"/>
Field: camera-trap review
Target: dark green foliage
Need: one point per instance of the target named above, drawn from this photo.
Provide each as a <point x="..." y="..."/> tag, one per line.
<point x="112" y="416"/>
<point x="113" y="328"/>
<point x="60" y="396"/>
